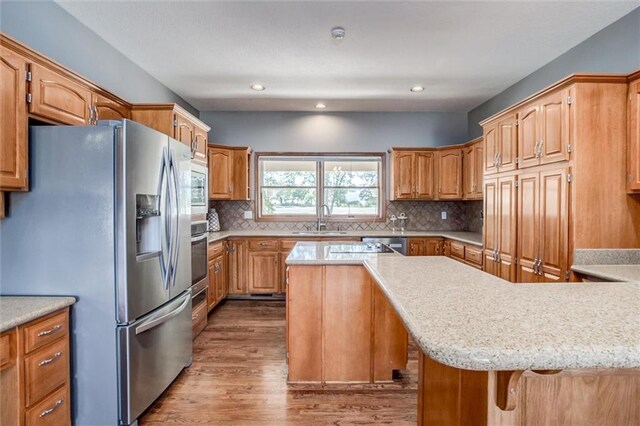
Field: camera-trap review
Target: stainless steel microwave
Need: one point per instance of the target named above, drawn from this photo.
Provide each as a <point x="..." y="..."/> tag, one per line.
<point x="199" y="189"/>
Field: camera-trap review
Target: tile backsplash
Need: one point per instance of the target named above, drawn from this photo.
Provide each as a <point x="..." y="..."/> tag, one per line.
<point x="423" y="216"/>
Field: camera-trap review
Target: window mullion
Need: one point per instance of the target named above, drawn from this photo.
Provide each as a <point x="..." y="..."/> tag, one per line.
<point x="319" y="186"/>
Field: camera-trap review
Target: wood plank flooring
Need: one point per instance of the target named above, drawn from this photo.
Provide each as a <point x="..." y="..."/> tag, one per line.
<point x="239" y="373"/>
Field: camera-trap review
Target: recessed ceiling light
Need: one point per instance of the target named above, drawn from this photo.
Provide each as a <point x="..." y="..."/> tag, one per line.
<point x="320" y="106"/>
<point x="417" y="89"/>
<point x="338" y="33"/>
<point x="258" y="87"/>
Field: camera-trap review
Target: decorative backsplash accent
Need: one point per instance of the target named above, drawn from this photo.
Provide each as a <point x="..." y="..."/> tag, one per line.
<point x="423" y="216"/>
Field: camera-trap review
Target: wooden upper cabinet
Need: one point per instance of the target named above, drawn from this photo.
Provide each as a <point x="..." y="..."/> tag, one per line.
<point x="200" y="143"/>
<point x="240" y="174"/>
<point x="490" y="149"/>
<point x="425" y="163"/>
<point x="529" y="136"/>
<point x="108" y="109"/>
<point x="633" y="135"/>
<point x="403" y="175"/>
<point x="13" y="121"/>
<point x="184" y="130"/>
<point x="507" y="145"/>
<point x="528" y="227"/>
<point x="490" y="233"/>
<point x="220" y="165"/>
<point x="450" y="174"/>
<point x="58" y="98"/>
<point x="554" y="127"/>
<point x="263" y="270"/>
<point x="472" y="171"/>
<point x="554" y="227"/>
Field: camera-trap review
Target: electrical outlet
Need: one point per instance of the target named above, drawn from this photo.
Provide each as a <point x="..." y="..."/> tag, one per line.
<point x="443" y="215"/>
<point x="248" y="214"/>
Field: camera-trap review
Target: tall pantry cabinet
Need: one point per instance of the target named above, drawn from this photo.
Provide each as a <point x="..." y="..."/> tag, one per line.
<point x="555" y="179"/>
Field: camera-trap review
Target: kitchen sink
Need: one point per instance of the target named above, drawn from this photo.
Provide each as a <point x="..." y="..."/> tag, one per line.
<point x="319" y="232"/>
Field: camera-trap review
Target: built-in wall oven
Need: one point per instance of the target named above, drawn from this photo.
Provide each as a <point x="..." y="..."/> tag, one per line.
<point x="199" y="265"/>
<point x="199" y="189"/>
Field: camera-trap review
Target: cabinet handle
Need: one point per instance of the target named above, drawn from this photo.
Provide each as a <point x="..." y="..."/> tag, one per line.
<point x="52" y="409"/>
<point x="540" y="149"/>
<point x="538" y="267"/>
<point x="96" y="115"/>
<point x="51" y="330"/>
<point x="495" y="160"/>
<point x="90" y="109"/>
<point x="50" y="360"/>
<point x="535" y="266"/>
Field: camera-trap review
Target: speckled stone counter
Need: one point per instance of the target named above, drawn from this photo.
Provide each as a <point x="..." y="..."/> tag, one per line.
<point x="608" y="264"/>
<point x="468" y="319"/>
<point x="473" y="238"/>
<point x="18" y="310"/>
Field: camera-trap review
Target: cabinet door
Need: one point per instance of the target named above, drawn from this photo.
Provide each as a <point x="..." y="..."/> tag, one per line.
<point x="237" y="267"/>
<point x="263" y="272"/>
<point x="221" y="280"/>
<point x="529" y="136"/>
<point x="424" y="175"/>
<point x="633" y="151"/>
<point x="108" y="109"/>
<point x="528" y="227"/>
<point x="416" y="247"/>
<point x="212" y="297"/>
<point x="403" y="175"/>
<point x="282" y="278"/>
<point x="478" y="170"/>
<point x="240" y="175"/>
<point x="507" y="215"/>
<point x="184" y="130"/>
<point x="200" y="142"/>
<point x="468" y="172"/>
<point x="490" y="224"/>
<point x="13" y="121"/>
<point x="450" y="174"/>
<point x="219" y="173"/>
<point x="507" y="143"/>
<point x="58" y="98"/>
<point x="554" y="231"/>
<point x="432" y="247"/>
<point x="554" y="127"/>
<point x="490" y="149"/>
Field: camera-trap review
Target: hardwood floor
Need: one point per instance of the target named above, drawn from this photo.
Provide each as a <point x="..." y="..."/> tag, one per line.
<point x="239" y="373"/>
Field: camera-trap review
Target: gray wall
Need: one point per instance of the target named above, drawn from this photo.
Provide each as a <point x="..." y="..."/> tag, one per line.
<point x="330" y="132"/>
<point x="615" y="49"/>
<point x="50" y="30"/>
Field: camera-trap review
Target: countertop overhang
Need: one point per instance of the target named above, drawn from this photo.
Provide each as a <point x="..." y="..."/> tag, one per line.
<point x="18" y="310"/>
<point x="469" y="319"/>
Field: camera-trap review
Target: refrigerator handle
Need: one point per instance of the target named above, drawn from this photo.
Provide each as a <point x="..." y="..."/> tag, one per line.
<point x="175" y="232"/>
<point x="165" y="260"/>
<point x="153" y="323"/>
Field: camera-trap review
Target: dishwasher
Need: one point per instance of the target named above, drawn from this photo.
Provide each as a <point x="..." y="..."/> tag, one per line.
<point x="398" y="244"/>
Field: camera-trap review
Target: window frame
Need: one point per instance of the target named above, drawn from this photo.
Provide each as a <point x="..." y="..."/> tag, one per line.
<point x="320" y="158"/>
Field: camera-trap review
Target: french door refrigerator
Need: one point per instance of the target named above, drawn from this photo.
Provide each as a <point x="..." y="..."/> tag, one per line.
<point x="107" y="220"/>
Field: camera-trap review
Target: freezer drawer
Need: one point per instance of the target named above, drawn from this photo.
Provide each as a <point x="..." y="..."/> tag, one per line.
<point x="152" y="352"/>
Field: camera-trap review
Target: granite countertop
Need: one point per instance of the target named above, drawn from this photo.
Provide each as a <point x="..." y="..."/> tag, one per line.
<point x="18" y="310"/>
<point x="608" y="264"/>
<point x="474" y="238"/>
<point x="468" y="319"/>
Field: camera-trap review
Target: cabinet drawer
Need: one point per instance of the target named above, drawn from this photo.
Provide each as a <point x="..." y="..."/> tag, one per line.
<point x="45" y="370"/>
<point x="457" y="250"/>
<point x="54" y="410"/>
<point x="473" y="255"/>
<point x="287" y="245"/>
<point x="215" y="249"/>
<point x="199" y="318"/>
<point x="44" y="331"/>
<point x="7" y="349"/>
<point x="263" y="245"/>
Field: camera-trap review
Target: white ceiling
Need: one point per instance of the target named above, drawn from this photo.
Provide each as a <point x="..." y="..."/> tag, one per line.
<point x="463" y="53"/>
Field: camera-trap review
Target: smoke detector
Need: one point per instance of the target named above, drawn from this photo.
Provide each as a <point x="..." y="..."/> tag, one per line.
<point x="338" y="33"/>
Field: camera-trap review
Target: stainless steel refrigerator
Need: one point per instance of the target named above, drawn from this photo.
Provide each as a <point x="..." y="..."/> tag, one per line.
<point x="107" y="219"/>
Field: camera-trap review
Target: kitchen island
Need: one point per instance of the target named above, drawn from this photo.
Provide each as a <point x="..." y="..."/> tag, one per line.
<point x="493" y="352"/>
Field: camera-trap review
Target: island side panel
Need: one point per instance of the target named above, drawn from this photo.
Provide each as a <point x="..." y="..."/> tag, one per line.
<point x="390" y="339"/>
<point x="304" y="323"/>
<point x="347" y="325"/>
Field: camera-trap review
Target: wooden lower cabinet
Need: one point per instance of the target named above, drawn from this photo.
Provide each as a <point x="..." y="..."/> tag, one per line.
<point x="340" y="327"/>
<point x="449" y="396"/>
<point x="35" y="375"/>
<point x="237" y="271"/>
<point x="425" y="247"/>
<point x="216" y="291"/>
<point x="263" y="272"/>
<point x="500" y="213"/>
<point x="633" y="136"/>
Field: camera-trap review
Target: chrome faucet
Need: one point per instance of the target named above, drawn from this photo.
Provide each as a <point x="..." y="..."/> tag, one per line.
<point x="322" y="225"/>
